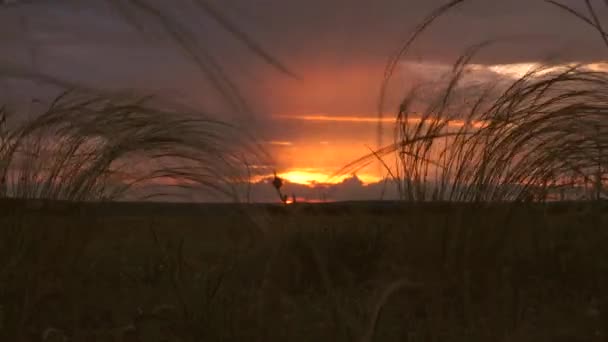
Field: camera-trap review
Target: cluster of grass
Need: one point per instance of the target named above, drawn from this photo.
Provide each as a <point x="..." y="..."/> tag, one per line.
<point x="85" y="148"/>
<point x="542" y="136"/>
<point x="538" y="137"/>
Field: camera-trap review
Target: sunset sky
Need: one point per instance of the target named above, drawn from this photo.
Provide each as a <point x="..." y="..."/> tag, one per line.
<point x="326" y="117"/>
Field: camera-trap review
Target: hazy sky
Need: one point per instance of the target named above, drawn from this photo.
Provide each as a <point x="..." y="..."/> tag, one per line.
<point x="338" y="48"/>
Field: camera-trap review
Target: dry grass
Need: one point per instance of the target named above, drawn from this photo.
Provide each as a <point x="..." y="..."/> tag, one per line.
<point x="86" y="148"/>
<point x="527" y="139"/>
<point x="539" y="137"/>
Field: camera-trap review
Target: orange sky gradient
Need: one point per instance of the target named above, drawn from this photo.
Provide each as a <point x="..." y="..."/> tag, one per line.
<point x="309" y="146"/>
<point x="315" y="160"/>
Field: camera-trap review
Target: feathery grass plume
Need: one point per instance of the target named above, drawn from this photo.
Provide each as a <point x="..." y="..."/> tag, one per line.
<point x="97" y="148"/>
<point x="532" y="136"/>
<point x="442" y="10"/>
<point x="524" y="140"/>
<point x="185" y="36"/>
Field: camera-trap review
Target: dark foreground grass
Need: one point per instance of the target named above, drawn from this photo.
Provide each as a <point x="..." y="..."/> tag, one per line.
<point x="331" y="272"/>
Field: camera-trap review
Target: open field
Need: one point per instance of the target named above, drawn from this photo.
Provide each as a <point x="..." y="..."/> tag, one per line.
<point x="323" y="272"/>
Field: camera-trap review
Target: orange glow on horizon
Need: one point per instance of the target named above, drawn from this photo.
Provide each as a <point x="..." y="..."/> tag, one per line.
<point x="311" y="177"/>
<point x="305" y="177"/>
<point x="312" y="159"/>
<point x="329" y="118"/>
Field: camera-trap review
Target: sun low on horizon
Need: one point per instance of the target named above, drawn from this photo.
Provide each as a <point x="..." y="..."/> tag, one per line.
<point x="311" y="149"/>
<point x="318" y="177"/>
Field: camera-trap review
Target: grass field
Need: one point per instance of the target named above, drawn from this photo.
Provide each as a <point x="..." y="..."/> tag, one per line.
<point x="307" y="272"/>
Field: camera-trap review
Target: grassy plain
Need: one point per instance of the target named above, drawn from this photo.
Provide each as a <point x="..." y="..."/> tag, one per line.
<point x="381" y="271"/>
